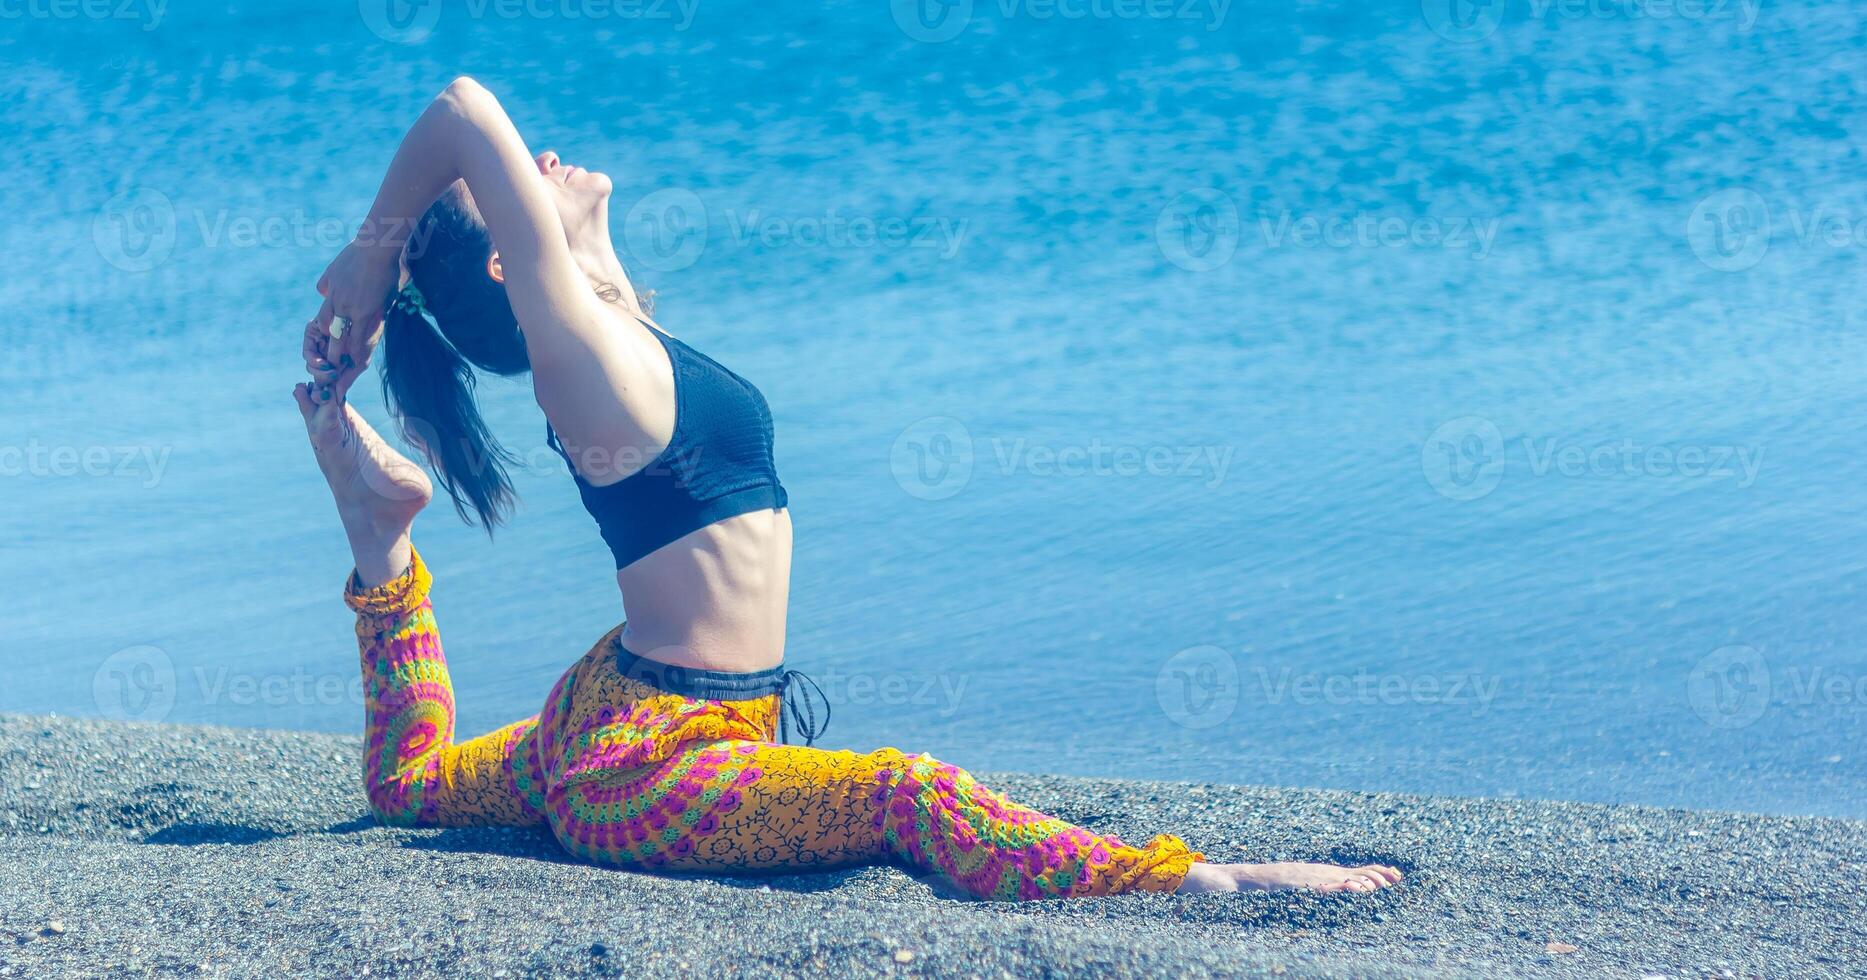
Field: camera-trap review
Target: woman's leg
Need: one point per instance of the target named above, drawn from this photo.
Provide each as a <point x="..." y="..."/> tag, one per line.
<point x="745" y="805"/>
<point x="751" y="805"/>
<point x="641" y="777"/>
<point x="413" y="771"/>
<point x="801" y="807"/>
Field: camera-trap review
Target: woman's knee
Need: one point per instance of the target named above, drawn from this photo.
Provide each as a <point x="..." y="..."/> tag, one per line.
<point x="391" y="802"/>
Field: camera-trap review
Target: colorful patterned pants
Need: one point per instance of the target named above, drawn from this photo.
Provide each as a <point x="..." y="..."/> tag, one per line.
<point x="626" y="773"/>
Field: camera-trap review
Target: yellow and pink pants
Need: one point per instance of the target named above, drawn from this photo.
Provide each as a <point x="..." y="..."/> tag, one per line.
<point x="626" y="773"/>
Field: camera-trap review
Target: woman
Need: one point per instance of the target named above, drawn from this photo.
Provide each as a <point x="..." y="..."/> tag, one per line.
<point x="665" y="746"/>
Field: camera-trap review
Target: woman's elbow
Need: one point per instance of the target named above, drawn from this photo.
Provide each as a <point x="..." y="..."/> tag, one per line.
<point x="465" y="96"/>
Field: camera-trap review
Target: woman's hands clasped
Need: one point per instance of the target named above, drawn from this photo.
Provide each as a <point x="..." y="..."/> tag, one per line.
<point x="342" y="338"/>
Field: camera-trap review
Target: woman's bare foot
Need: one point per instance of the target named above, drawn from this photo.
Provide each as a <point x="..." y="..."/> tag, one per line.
<point x="1287" y="876"/>
<point x="378" y="491"/>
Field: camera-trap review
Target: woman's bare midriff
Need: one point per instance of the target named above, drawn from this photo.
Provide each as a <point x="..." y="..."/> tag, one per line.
<point x="714" y="599"/>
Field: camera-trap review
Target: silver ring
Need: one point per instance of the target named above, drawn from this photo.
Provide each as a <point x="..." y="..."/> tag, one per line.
<point x="339" y="327"/>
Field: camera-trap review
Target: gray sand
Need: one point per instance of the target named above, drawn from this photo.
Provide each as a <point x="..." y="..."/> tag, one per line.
<point x="201" y="851"/>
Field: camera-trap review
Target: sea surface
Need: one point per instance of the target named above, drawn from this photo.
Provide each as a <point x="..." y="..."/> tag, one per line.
<point x="1453" y="397"/>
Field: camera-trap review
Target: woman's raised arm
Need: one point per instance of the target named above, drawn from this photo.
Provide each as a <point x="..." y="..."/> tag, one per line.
<point x="464" y="134"/>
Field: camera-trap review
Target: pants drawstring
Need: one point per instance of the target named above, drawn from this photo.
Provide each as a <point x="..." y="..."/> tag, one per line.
<point x="805" y="714"/>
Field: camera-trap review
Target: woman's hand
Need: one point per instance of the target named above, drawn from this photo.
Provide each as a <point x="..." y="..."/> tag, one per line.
<point x="342" y="338"/>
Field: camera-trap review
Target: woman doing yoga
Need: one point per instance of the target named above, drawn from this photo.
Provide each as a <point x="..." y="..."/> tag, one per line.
<point x="665" y="746"/>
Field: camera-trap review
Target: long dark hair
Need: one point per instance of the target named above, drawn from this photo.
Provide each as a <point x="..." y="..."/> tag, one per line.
<point x="428" y="373"/>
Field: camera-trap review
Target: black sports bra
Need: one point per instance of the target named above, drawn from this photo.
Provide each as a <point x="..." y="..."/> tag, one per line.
<point x="717" y="465"/>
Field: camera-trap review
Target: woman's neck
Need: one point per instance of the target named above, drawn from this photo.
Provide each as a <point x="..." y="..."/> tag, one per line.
<point x="595" y="255"/>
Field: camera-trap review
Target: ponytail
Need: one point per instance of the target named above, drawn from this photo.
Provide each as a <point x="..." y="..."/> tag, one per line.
<point x="430" y="387"/>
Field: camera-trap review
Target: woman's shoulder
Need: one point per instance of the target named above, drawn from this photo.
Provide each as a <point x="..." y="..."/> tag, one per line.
<point x="614" y="408"/>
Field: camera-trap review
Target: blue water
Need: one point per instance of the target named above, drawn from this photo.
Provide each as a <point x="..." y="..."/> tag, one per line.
<point x="1457" y="401"/>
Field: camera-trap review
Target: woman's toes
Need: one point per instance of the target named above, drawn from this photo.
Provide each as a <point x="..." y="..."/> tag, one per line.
<point x="1383" y="875"/>
<point x="1379" y="874"/>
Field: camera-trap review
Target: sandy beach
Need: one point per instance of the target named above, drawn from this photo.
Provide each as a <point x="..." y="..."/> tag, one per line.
<point x="170" y="850"/>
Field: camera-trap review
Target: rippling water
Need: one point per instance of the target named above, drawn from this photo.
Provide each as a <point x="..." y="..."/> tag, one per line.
<point x="1461" y="399"/>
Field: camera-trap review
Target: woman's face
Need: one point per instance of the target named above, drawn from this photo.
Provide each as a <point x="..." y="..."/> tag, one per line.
<point x="582" y="196"/>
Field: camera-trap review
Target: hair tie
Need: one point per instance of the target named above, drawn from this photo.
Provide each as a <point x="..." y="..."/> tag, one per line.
<point x="409" y="300"/>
